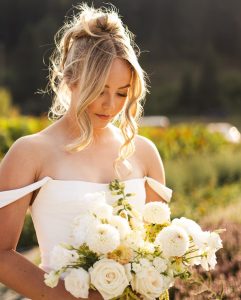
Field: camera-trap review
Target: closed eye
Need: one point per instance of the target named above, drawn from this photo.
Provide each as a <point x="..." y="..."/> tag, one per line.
<point x="121" y="95"/>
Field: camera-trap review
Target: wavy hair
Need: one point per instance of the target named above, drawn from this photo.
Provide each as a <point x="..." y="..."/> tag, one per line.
<point x="85" y="49"/>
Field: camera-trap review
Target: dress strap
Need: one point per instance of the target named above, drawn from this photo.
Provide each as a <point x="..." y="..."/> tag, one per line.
<point x="7" y="197"/>
<point x="159" y="188"/>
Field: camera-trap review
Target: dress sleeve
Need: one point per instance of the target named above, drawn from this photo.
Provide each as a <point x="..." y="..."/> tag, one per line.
<point x="159" y="188"/>
<point x="7" y="197"/>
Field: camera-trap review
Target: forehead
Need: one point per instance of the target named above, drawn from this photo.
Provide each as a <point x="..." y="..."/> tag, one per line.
<point x="120" y="73"/>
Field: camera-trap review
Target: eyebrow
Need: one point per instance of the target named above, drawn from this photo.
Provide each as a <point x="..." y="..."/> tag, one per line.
<point x="122" y="87"/>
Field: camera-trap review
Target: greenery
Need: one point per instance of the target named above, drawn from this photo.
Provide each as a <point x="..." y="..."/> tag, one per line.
<point x="184" y="140"/>
<point x="12" y="128"/>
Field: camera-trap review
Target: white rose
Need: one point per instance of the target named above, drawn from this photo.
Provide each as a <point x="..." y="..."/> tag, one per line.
<point x="121" y="225"/>
<point x="148" y="283"/>
<point x="103" y="239"/>
<point x="173" y="241"/>
<point x="77" y="282"/>
<point x="61" y="257"/>
<point x="109" y="278"/>
<point x="156" y="213"/>
<point x="51" y="279"/>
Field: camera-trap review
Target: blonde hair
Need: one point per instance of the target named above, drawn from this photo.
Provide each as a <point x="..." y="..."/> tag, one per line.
<point x="86" y="48"/>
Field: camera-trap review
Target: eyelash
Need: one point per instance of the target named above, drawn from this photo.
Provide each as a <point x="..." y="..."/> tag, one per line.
<point x="121" y="95"/>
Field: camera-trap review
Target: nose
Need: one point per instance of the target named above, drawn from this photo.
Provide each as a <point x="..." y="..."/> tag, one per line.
<point x="108" y="103"/>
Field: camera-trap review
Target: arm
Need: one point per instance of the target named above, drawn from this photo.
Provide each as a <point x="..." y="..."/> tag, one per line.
<point x="153" y="166"/>
<point x="18" y="169"/>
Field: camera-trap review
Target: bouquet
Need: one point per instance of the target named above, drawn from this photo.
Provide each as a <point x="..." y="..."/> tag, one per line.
<point x="125" y="254"/>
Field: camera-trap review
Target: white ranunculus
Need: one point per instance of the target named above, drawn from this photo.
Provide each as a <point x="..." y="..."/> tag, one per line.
<point x="109" y="278"/>
<point x="160" y="264"/>
<point x="121" y="225"/>
<point x="51" y="279"/>
<point x="148" y="283"/>
<point x="156" y="213"/>
<point x="173" y="241"/>
<point x="82" y="226"/>
<point x="103" y="239"/>
<point x="101" y="210"/>
<point x="134" y="240"/>
<point x="77" y="282"/>
<point x="61" y="257"/>
<point x="191" y="227"/>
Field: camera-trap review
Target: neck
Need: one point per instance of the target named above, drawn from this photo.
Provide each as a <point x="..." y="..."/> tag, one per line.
<point x="70" y="125"/>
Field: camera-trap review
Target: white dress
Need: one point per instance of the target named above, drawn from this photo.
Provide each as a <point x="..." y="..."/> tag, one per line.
<point x="57" y="203"/>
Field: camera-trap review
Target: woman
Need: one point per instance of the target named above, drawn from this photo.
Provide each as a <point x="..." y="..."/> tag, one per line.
<point x="98" y="83"/>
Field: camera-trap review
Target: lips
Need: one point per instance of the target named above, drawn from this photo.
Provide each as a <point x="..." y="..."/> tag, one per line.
<point x="104" y="117"/>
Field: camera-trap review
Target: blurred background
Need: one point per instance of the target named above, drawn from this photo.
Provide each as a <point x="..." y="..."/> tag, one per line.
<point x="191" y="50"/>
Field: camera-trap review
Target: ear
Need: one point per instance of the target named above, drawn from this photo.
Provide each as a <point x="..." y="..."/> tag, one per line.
<point x="72" y="86"/>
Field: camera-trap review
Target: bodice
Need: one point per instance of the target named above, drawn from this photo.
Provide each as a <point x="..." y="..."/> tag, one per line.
<point x="58" y="202"/>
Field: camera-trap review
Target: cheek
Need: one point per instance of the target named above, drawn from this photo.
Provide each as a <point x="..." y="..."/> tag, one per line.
<point x="91" y="108"/>
<point x="121" y="105"/>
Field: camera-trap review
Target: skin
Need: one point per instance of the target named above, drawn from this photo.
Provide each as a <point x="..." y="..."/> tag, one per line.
<point x="35" y="156"/>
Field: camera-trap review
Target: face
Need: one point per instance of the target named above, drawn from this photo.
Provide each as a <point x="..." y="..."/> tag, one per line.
<point x="114" y="96"/>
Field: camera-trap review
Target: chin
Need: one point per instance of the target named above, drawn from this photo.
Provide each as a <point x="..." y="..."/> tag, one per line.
<point x="101" y="126"/>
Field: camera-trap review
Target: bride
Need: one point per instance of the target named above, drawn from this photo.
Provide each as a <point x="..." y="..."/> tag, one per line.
<point x="98" y="85"/>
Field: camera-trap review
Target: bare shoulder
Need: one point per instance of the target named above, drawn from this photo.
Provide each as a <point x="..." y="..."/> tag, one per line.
<point x="145" y="142"/>
<point x="149" y="154"/>
<point x="146" y="147"/>
<point x="20" y="164"/>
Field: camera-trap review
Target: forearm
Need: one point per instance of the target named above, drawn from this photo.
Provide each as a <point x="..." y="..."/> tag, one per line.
<point x="24" y="277"/>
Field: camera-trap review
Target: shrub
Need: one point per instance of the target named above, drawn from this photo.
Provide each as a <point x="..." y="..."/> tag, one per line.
<point x="184" y="140"/>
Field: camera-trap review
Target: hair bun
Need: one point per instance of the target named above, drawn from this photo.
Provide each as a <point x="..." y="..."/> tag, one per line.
<point x="97" y="22"/>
